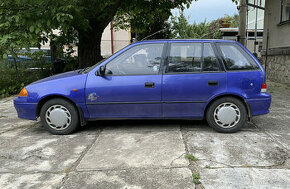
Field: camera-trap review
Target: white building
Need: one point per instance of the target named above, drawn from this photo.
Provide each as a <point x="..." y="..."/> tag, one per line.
<point x="112" y="41"/>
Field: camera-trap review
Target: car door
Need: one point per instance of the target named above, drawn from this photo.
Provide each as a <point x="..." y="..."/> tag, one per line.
<point x="192" y="76"/>
<point x="131" y="86"/>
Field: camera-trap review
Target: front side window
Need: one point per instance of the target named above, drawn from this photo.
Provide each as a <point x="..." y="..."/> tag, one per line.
<point x="184" y="57"/>
<point x="139" y="60"/>
<point x="235" y="58"/>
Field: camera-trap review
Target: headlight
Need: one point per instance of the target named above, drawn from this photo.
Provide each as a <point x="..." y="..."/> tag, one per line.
<point x="23" y="92"/>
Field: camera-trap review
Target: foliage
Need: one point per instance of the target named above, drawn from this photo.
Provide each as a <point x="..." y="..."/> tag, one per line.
<point x="232" y="19"/>
<point x="196" y="178"/>
<point x="191" y="157"/>
<point x="204" y="30"/>
<point x="15" y="75"/>
<point x="182" y="29"/>
<point x="26" y="23"/>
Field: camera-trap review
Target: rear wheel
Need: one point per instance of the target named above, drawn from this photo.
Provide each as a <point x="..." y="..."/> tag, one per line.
<point x="227" y="115"/>
<point x="59" y="116"/>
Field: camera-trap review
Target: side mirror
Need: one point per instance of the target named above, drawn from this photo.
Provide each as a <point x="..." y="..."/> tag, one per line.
<point x="102" y="71"/>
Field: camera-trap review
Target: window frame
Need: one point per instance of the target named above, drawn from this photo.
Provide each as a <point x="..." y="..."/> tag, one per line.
<point x="133" y="46"/>
<point x="166" y="62"/>
<point x="283" y="10"/>
<point x="239" y="48"/>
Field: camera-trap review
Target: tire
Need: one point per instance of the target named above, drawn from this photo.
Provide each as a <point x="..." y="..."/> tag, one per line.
<point x="226" y="115"/>
<point x="59" y="116"/>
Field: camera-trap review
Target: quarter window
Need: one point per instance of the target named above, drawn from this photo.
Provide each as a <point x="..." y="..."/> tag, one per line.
<point x="184" y="57"/>
<point x="235" y="58"/>
<point x="139" y="60"/>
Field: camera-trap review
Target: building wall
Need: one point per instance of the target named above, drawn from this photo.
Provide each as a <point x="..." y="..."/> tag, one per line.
<point x="279" y="34"/>
<point x="121" y="38"/>
<point x="277" y="61"/>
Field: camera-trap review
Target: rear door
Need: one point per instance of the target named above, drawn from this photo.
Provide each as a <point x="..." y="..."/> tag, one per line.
<point x="192" y="75"/>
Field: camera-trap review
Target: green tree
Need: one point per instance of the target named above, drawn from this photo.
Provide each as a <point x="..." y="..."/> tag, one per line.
<point x="232" y="19"/>
<point x="204" y="30"/>
<point x="26" y="23"/>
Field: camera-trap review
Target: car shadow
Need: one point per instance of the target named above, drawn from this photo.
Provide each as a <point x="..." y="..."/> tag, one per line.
<point x="144" y="125"/>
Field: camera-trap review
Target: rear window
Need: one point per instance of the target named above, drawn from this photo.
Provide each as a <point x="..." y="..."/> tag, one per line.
<point x="235" y="58"/>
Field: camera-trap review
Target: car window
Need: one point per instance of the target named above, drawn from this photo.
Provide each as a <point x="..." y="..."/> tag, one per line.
<point x="139" y="60"/>
<point x="236" y="58"/>
<point x="184" y="57"/>
<point x="210" y="62"/>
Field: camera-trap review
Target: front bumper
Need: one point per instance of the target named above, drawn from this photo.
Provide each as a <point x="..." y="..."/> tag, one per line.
<point x="260" y="104"/>
<point x="24" y="109"/>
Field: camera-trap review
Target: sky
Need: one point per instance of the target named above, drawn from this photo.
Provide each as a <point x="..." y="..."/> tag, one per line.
<point x="209" y="10"/>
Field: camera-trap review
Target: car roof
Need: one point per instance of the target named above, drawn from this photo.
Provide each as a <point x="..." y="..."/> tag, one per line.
<point x="186" y="40"/>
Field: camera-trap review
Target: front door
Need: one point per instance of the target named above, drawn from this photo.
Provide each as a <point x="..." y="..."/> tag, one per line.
<point x="192" y="76"/>
<point x="131" y="86"/>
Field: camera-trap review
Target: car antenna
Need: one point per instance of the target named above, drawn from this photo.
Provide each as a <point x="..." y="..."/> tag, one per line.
<point x="153" y="34"/>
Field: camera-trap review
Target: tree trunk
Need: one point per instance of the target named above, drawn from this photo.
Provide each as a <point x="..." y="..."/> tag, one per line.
<point x="89" y="48"/>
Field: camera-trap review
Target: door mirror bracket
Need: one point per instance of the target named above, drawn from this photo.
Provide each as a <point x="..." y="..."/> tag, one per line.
<point x="102" y="70"/>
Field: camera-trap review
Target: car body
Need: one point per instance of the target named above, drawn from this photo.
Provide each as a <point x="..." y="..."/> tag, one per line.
<point x="158" y="79"/>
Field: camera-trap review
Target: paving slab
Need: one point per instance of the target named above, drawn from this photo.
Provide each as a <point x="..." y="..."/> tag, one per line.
<point x="122" y="150"/>
<point x="131" y="179"/>
<point x="277" y="122"/>
<point x="34" y="180"/>
<point x="30" y="152"/>
<point x="245" y="148"/>
<point x="8" y="116"/>
<point x="143" y="125"/>
<point x="228" y="178"/>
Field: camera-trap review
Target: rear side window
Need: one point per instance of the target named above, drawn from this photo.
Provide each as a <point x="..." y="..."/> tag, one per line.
<point x="235" y="58"/>
<point x="210" y="62"/>
<point x="184" y="57"/>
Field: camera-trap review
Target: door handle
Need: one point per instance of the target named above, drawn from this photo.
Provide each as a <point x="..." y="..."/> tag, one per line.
<point x="149" y="84"/>
<point x="212" y="83"/>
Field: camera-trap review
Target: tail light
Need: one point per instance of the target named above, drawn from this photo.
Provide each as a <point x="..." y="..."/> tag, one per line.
<point x="264" y="88"/>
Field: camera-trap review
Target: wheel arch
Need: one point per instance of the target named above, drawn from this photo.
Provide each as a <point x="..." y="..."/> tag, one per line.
<point x="43" y="100"/>
<point x="249" y="112"/>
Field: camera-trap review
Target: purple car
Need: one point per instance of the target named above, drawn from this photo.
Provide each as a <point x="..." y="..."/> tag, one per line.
<point x="216" y="80"/>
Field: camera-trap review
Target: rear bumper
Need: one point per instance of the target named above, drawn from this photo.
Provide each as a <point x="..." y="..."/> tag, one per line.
<point x="25" y="110"/>
<point x="260" y="104"/>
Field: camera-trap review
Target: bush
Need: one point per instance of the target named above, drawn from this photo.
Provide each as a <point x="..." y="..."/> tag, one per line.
<point x="14" y="78"/>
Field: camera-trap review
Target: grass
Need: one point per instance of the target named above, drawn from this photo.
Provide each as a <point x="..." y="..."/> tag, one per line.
<point x="191" y="157"/>
<point x="196" y="178"/>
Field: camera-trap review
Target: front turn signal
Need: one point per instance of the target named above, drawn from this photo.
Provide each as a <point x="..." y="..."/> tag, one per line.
<point x="23" y="92"/>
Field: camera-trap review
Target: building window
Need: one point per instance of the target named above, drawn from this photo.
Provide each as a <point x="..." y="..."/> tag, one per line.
<point x="285" y="10"/>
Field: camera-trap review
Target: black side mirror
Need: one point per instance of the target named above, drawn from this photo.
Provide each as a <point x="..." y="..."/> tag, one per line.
<point x="102" y="71"/>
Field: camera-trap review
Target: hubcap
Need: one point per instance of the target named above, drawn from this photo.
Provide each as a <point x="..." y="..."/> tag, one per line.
<point x="58" y="117"/>
<point x="227" y="115"/>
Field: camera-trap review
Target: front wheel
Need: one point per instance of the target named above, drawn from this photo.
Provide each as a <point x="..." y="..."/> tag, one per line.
<point x="227" y="115"/>
<point x="59" y="116"/>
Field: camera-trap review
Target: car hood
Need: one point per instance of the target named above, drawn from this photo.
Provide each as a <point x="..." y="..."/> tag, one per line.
<point x="58" y="76"/>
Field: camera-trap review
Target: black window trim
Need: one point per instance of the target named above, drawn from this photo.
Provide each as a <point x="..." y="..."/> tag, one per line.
<point x="222" y="70"/>
<point x="165" y="44"/>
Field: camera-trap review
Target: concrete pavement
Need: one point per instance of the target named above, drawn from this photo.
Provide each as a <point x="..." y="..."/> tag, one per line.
<point x="148" y="154"/>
